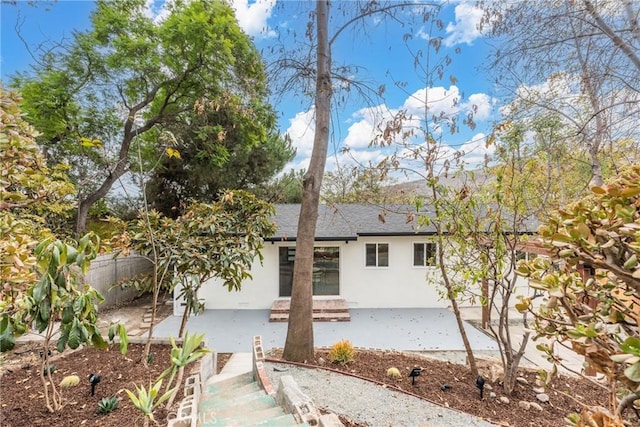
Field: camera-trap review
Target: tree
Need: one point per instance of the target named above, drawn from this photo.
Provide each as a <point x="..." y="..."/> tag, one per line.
<point x="117" y="85"/>
<point x="591" y="288"/>
<point x="283" y="189"/>
<point x="30" y="192"/>
<point x="39" y="273"/>
<point x="299" y="341"/>
<point x="58" y="294"/>
<point x="356" y="185"/>
<point x="219" y="240"/>
<point x="225" y="146"/>
<point x="575" y="60"/>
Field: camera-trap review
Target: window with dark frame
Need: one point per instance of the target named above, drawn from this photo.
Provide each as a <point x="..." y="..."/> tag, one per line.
<point x="424" y="254"/>
<point x="326" y="270"/>
<point x="377" y="255"/>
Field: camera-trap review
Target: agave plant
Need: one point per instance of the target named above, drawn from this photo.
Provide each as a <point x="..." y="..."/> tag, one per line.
<point x="107" y="404"/>
<point x="181" y="357"/>
<point x="145" y="400"/>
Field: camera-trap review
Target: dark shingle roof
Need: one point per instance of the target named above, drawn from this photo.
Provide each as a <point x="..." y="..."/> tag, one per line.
<point x="348" y="221"/>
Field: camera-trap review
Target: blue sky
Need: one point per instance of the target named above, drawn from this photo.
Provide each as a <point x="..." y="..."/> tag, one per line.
<point x="379" y="51"/>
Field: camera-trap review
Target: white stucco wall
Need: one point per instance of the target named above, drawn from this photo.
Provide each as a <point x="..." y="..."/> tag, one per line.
<point x="401" y="285"/>
<point x="257" y="293"/>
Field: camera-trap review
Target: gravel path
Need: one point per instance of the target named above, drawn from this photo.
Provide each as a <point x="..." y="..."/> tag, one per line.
<point x="367" y="402"/>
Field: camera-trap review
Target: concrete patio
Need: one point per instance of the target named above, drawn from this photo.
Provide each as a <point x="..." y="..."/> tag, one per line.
<point x="411" y="329"/>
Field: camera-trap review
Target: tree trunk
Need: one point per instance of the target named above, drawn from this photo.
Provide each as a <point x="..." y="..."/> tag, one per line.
<point x="463" y="333"/>
<point x="185" y="317"/>
<point x="156" y="292"/>
<point x="448" y="285"/>
<point x="593" y="141"/>
<point x="299" y="343"/>
<point x="85" y="204"/>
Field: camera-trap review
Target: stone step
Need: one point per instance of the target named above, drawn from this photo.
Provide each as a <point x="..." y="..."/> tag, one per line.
<point x="231" y="391"/>
<point x="324" y="310"/>
<point x="242" y="409"/>
<point x="319" y="305"/>
<point x="216" y="402"/>
<point x="263" y="420"/>
<point x="233" y="380"/>
<point x="317" y="317"/>
<point x="314" y="310"/>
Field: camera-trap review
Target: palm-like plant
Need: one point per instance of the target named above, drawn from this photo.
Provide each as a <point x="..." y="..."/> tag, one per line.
<point x="181" y="357"/>
<point x="145" y="400"/>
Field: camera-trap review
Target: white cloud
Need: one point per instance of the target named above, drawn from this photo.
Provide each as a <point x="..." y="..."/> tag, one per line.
<point x="252" y="17"/>
<point x="481" y="105"/>
<point x="365" y="124"/>
<point x="301" y="130"/>
<point x="465" y="29"/>
<point x="440" y="101"/>
<point x="364" y="127"/>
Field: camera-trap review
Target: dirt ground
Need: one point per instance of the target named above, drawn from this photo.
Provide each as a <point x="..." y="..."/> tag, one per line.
<point x="445" y="383"/>
<point x="451" y="385"/>
<point x="22" y="401"/>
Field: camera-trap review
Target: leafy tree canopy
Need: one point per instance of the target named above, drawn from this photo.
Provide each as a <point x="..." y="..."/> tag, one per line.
<point x="31" y="195"/>
<point x="123" y="83"/>
<point x="225" y="145"/>
<point x="220" y="240"/>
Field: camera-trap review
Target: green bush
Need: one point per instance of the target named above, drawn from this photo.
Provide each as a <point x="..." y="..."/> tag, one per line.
<point x="342" y="352"/>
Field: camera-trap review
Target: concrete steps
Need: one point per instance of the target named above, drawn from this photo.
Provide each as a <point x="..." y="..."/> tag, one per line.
<point x="233" y="398"/>
<point x="324" y="310"/>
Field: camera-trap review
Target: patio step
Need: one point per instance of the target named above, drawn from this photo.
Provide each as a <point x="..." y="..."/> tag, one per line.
<point x="324" y="310"/>
<point x="240" y="401"/>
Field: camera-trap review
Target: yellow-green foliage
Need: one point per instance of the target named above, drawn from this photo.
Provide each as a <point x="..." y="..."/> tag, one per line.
<point x="393" y="372"/>
<point x="342" y="352"/>
<point x="70" y="381"/>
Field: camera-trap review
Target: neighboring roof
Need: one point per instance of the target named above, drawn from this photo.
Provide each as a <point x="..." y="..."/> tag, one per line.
<point x="348" y="221"/>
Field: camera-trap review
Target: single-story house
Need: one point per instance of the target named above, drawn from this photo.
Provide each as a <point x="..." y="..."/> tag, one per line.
<point x="366" y="255"/>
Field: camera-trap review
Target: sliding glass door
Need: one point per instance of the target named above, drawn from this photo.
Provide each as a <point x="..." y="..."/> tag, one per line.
<point x="326" y="270"/>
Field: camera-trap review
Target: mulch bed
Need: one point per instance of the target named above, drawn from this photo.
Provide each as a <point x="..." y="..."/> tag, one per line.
<point x="566" y="394"/>
<point x="22" y="400"/>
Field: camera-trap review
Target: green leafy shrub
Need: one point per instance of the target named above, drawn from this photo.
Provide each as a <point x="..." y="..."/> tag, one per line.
<point x="107" y="404"/>
<point x="342" y="352"/>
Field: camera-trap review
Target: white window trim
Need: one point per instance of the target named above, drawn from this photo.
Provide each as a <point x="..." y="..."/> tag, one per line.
<point x="425" y="266"/>
<point x="377" y="267"/>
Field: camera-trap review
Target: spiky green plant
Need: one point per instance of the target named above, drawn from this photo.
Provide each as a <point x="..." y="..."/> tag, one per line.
<point x="51" y="368"/>
<point x="70" y="381"/>
<point x="107" y="404"/>
<point x="145" y="400"/>
<point x="342" y="352"/>
<point x="181" y="357"/>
